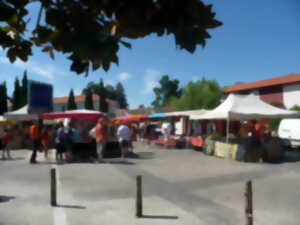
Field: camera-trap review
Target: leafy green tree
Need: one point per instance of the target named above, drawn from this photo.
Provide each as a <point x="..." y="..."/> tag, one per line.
<point x="92" y="87"/>
<point x="202" y="94"/>
<point x="71" y="101"/>
<point x="3" y="98"/>
<point x="91" y="32"/>
<point x="103" y="105"/>
<point x="17" y="95"/>
<point x="167" y="90"/>
<point x="121" y="96"/>
<point x="24" y="89"/>
<point x="88" y="103"/>
<point x="295" y="108"/>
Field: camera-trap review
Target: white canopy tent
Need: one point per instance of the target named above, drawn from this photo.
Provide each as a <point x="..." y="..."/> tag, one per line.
<point x="188" y="112"/>
<point x="245" y="107"/>
<point x="20" y="114"/>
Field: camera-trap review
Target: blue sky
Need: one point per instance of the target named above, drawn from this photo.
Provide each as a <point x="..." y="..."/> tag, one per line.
<point x="258" y="40"/>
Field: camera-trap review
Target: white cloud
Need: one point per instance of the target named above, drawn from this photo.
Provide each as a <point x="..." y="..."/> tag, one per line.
<point x="45" y="70"/>
<point x="151" y="80"/>
<point x="124" y="76"/>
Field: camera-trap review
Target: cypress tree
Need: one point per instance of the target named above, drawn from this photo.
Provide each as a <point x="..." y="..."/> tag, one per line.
<point x="3" y="99"/>
<point x="5" y="107"/>
<point x="24" y="88"/>
<point x="121" y="97"/>
<point x="88" y="102"/>
<point x="103" y="106"/>
<point x="71" y="101"/>
<point x="17" y="95"/>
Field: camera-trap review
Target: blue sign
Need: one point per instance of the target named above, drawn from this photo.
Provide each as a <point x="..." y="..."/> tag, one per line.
<point x="40" y="97"/>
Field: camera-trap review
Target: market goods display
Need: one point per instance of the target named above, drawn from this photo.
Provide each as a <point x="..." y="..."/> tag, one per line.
<point x="209" y="146"/>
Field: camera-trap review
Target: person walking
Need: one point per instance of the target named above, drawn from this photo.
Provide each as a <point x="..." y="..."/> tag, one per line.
<point x="123" y="134"/>
<point x="45" y="139"/>
<point x="34" y="134"/>
<point x="101" y="138"/>
<point x="5" y="141"/>
<point x="59" y="142"/>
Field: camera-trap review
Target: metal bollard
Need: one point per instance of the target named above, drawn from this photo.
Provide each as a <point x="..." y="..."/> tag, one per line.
<point x="53" y="187"/>
<point x="139" y="201"/>
<point x="249" y="203"/>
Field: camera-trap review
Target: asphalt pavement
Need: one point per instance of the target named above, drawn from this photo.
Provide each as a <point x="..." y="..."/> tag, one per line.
<point x="179" y="187"/>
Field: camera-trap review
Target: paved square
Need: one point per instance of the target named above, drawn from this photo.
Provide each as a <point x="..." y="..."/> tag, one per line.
<point x="179" y="187"/>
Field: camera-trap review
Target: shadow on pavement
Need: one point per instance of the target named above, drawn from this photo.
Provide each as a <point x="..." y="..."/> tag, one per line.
<point x="71" y="206"/>
<point x="120" y="162"/>
<point x="13" y="159"/>
<point x="160" y="217"/>
<point x="145" y="155"/>
<point x="6" y="198"/>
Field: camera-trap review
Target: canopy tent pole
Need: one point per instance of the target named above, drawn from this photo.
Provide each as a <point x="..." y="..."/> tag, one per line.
<point x="227" y="128"/>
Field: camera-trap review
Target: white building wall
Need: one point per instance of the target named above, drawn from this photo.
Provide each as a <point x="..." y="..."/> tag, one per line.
<point x="291" y="95"/>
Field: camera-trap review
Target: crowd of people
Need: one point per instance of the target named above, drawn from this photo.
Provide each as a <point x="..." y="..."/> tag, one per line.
<point x="65" y="137"/>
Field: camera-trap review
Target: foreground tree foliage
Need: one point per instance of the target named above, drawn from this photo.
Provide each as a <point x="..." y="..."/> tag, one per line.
<point x="202" y="94"/>
<point x="90" y="31"/>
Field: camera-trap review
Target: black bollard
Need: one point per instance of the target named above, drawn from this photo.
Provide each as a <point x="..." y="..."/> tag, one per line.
<point x="139" y="201"/>
<point x="53" y="187"/>
<point x="249" y="203"/>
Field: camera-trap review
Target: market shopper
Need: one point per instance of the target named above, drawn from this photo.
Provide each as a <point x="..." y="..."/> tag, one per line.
<point x="34" y="134"/>
<point x="59" y="142"/>
<point x="6" y="137"/>
<point x="123" y="134"/>
<point x="101" y="138"/>
<point x="45" y="139"/>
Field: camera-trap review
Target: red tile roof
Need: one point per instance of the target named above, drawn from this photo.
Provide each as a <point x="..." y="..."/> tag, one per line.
<point x="286" y="79"/>
<point x="78" y="98"/>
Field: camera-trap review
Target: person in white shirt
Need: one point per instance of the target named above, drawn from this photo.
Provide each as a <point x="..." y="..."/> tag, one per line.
<point x="123" y="134"/>
<point x="166" y="131"/>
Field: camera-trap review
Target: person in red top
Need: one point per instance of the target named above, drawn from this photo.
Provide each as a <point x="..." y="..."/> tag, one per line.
<point x="34" y="134"/>
<point x="101" y="138"/>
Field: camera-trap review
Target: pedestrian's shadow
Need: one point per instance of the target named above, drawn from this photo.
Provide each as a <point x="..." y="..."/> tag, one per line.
<point x="120" y="162"/>
<point x="6" y="198"/>
<point x="71" y="206"/>
<point x="12" y="159"/>
<point x="145" y="155"/>
<point x="160" y="217"/>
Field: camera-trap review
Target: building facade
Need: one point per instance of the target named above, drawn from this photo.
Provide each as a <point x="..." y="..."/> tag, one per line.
<point x="284" y="90"/>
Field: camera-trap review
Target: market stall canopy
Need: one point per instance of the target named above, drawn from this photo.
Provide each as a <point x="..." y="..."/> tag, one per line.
<point x="188" y="112"/>
<point x="130" y="118"/>
<point x="21" y="114"/>
<point x="74" y="114"/>
<point x="157" y="115"/>
<point x="245" y="107"/>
